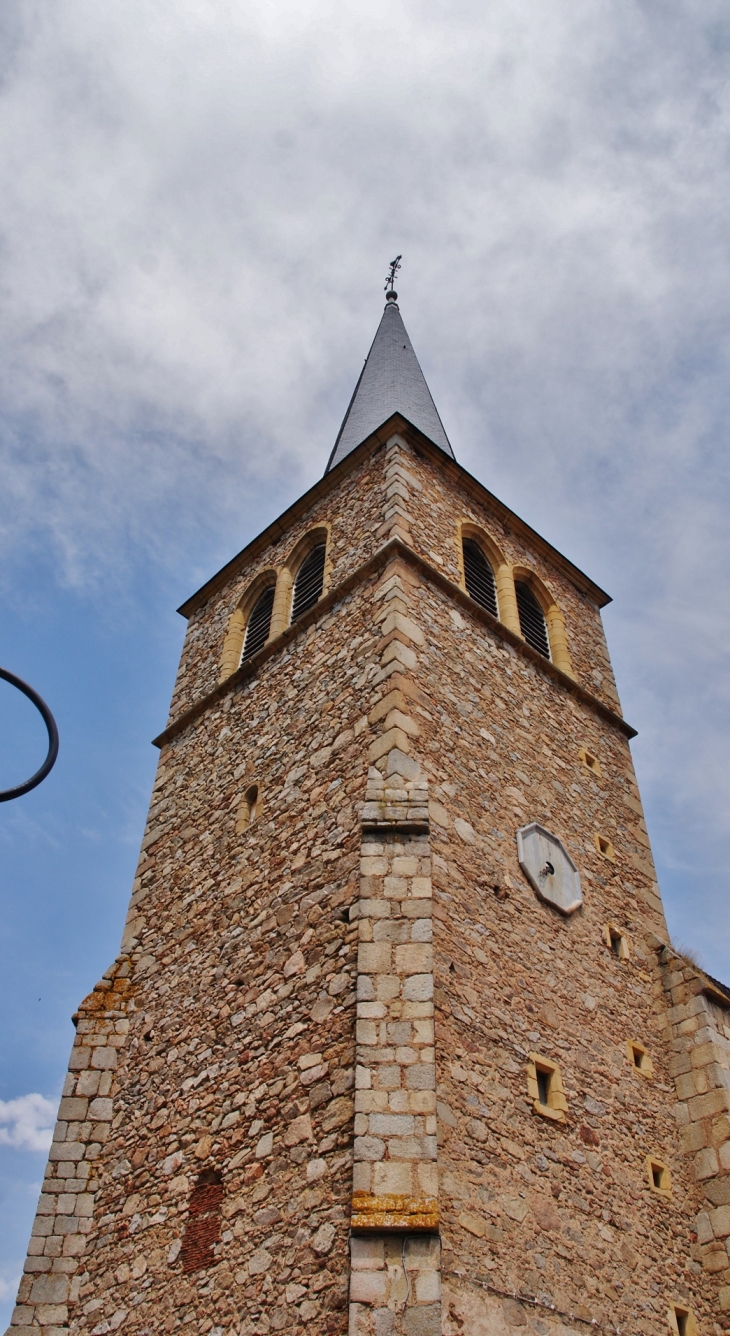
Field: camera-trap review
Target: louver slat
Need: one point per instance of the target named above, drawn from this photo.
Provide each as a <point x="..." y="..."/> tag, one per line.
<point x="532" y="619"/>
<point x="259" y="622"/>
<point x="478" y="577"/>
<point x="309" y="582"/>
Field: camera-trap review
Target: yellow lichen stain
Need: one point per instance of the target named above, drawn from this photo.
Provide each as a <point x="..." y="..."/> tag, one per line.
<point x="419" y="1214"/>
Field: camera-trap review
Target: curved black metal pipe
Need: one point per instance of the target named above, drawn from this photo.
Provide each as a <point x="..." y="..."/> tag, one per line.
<point x="50" y="723"/>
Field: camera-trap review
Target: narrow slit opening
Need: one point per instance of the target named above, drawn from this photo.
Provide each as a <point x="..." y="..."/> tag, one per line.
<point x="657" y="1175"/>
<point x="543" y="1086"/>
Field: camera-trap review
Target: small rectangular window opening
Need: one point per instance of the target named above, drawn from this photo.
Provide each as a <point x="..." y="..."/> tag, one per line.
<point x="660" y="1178"/>
<point x="590" y="761"/>
<point x="604" y="846"/>
<point x="617" y="941"/>
<point x="682" y="1321"/>
<point x="248" y="809"/>
<point x="639" y="1058"/>
<point x="682" y="1316"/>
<point x="543" y="1086"/>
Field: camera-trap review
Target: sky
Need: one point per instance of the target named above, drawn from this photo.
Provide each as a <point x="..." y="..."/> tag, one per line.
<point x="199" y="205"/>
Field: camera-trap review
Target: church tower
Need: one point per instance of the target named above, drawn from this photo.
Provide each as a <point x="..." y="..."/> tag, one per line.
<point x="395" y="1044"/>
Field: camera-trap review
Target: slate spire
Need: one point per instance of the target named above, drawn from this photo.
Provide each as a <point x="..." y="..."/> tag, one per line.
<point x="391" y="381"/>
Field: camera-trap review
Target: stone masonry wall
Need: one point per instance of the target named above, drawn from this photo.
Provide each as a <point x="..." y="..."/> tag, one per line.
<point x="64" y="1220"/>
<point x="395" y="1281"/>
<point x="246" y="967"/>
<point x="240" y="1053"/>
<point x="698" y="1029"/>
<point x="239" y="1189"/>
<point x="560" y="1213"/>
<point x="354" y="510"/>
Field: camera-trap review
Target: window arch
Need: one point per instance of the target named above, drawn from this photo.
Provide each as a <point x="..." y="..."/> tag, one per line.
<point x="532" y="619"/>
<point x="479" y="576"/>
<point x="302" y="579"/>
<point x="259" y="623"/>
<point x="542" y="624"/>
<point x="249" y="808"/>
<point x="309" y="581"/>
<point x="235" y="645"/>
<point x="502" y="602"/>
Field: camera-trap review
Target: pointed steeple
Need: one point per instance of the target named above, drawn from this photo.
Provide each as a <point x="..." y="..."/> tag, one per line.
<point x="391" y="381"/>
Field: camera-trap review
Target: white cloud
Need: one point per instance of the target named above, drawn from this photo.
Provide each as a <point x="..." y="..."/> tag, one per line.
<point x="26" y="1123"/>
<point x="198" y="206"/>
<point x="9" y="1288"/>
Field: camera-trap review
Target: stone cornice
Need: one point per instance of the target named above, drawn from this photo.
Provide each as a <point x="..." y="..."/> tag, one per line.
<point x="394" y="548"/>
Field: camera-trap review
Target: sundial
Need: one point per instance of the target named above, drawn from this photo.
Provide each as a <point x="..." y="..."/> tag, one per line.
<point x="549" y="868"/>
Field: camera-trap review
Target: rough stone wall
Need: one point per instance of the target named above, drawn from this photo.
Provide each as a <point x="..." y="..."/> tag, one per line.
<point x="354" y="508"/>
<point x="64" y="1219"/>
<point x="222" y="1197"/>
<point x="698" y="1026"/>
<point x="561" y="1213"/>
<point x="240" y="1051"/>
<point x="241" y="1056"/>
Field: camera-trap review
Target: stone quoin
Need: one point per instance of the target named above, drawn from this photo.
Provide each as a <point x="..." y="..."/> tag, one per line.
<point x="350" y="1073"/>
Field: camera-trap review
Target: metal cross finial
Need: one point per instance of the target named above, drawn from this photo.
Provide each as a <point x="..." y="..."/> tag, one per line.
<point x="394" y="267"/>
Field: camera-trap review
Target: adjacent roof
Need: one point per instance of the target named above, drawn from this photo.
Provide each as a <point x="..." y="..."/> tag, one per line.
<point x="391" y="381"/>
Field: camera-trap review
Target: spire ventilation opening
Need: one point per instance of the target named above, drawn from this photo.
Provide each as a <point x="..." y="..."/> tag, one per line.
<point x="479" y="577"/>
<point x="259" y="624"/>
<point x="309" y="583"/>
<point x="532" y="619"/>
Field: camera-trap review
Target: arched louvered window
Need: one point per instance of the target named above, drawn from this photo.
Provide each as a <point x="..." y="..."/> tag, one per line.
<point x="532" y="619"/>
<point x="259" y="623"/>
<point x="479" y="577"/>
<point x="309" y="582"/>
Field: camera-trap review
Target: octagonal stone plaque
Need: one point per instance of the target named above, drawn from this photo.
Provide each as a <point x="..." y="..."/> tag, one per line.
<point x="549" y="868"/>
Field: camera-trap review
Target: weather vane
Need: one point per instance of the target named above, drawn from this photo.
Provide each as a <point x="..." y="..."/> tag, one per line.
<point x="390" y="280"/>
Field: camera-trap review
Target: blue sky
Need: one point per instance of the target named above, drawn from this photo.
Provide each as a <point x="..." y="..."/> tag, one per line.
<point x="199" y="204"/>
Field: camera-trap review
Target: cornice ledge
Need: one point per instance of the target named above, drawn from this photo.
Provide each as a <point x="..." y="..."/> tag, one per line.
<point x="394" y="547"/>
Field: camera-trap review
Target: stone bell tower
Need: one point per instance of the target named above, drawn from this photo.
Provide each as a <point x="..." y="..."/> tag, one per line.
<point x="395" y="1041"/>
